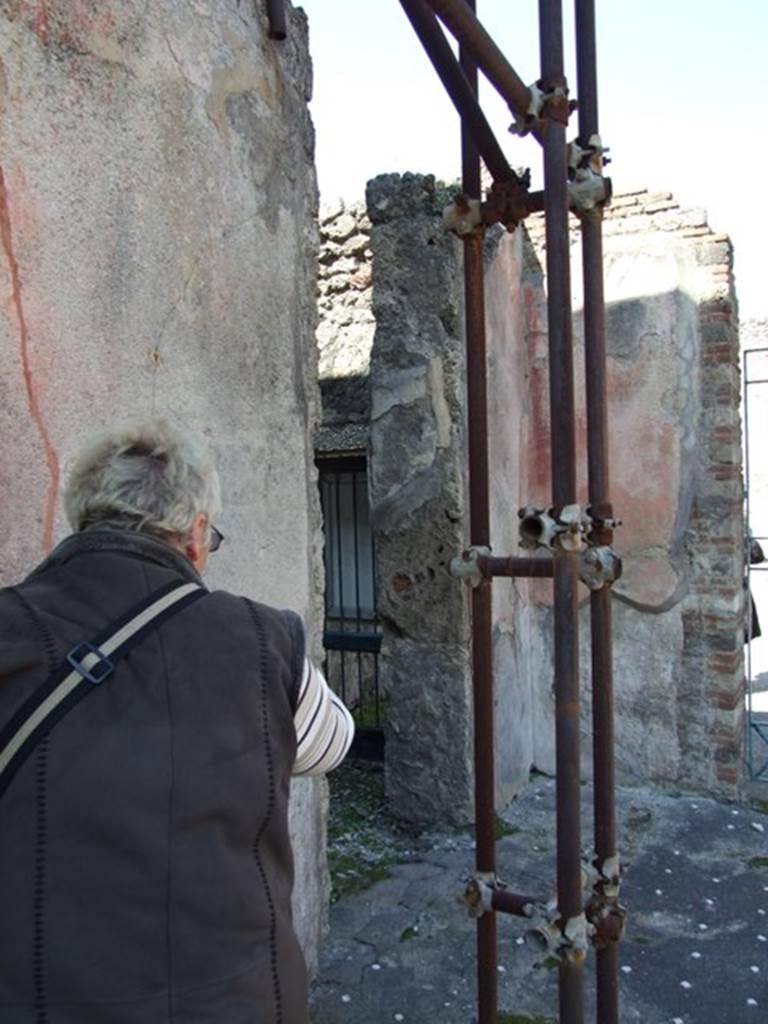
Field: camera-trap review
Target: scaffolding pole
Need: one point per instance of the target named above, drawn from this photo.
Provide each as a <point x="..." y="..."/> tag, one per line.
<point x="563" y="466"/>
<point x="480" y="531"/>
<point x="606" y="908"/>
<point x="572" y="178"/>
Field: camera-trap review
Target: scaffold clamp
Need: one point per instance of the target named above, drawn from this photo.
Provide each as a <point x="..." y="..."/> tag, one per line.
<point x="478" y="894"/>
<point x="599" y="567"/>
<point x="466" y="566"/>
<point x="522" y="124"/>
<point x="565" y="527"/>
<point x="565" y="940"/>
<point x="463" y="216"/>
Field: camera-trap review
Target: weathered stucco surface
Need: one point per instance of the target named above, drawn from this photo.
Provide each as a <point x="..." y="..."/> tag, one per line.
<point x="675" y="482"/>
<point x="508" y="402"/>
<point x="157" y="253"/>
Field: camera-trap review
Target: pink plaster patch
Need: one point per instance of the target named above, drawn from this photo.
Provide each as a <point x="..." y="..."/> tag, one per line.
<point x="41" y="22"/>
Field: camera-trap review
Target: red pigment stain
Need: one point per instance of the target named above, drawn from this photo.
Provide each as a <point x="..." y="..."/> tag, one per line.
<point x="41" y="22"/>
<point x="103" y="22"/>
<point x="538" y="447"/>
<point x="6" y="241"/>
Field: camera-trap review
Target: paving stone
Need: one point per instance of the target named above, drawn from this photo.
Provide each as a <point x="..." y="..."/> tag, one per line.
<point x="680" y="845"/>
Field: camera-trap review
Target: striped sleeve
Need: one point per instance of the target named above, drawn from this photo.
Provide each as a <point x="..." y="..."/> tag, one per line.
<point x="324" y="727"/>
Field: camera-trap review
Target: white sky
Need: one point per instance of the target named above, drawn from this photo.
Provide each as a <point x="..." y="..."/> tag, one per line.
<point x="682" y="104"/>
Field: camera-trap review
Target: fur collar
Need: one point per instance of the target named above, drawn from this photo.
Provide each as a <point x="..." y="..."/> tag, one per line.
<point x="107" y="538"/>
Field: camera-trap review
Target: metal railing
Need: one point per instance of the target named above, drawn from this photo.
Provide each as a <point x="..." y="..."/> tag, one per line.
<point x="756" y="739"/>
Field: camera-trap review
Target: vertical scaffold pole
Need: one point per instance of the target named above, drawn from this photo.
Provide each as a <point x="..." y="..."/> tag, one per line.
<point x="600" y="506"/>
<point x="482" y="662"/>
<point x="276" y="16"/>
<point x="562" y="419"/>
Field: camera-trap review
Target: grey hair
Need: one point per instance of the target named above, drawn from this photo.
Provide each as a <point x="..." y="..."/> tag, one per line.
<point x="143" y="475"/>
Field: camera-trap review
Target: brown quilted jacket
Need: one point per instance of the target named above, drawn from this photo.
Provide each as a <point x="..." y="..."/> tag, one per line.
<point x="145" y="865"/>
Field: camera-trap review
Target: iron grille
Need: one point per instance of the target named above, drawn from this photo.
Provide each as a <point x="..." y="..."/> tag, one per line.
<point x="352" y="634"/>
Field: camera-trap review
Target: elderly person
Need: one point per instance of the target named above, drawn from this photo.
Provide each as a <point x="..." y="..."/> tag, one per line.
<point x="149" y="731"/>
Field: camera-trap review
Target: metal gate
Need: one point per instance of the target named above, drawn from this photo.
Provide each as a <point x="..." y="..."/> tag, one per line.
<point x="755" y="378"/>
<point x="351" y="634"/>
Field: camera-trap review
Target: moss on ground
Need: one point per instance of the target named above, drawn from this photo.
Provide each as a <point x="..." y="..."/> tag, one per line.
<point x="758" y="862"/>
<point x="364" y="840"/>
<point x="502" y="828"/>
<point x="522" y="1018"/>
<point x="642" y="940"/>
<point x="370" y="714"/>
<point x="639" y="820"/>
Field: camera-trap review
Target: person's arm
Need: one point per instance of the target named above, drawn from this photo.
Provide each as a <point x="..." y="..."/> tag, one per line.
<point x="324" y="727"/>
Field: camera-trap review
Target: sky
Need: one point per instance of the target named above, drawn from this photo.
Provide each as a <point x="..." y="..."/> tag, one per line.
<point x="682" y="93"/>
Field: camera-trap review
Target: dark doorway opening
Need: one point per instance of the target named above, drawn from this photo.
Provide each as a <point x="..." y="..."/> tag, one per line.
<point x="352" y="633"/>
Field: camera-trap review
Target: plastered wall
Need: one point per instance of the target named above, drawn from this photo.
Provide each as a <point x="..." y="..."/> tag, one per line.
<point x="158" y="254"/>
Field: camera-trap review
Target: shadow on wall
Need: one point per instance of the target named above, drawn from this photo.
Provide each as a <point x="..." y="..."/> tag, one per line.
<point x="673" y="397"/>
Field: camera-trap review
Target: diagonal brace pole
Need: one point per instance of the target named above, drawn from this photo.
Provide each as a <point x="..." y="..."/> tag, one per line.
<point x="459" y="89"/>
<point x="462" y="22"/>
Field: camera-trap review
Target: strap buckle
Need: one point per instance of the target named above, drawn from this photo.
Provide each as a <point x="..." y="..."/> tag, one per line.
<point x="98" y="670"/>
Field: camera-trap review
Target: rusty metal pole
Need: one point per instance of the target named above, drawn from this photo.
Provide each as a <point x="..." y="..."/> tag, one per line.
<point x="474" y="126"/>
<point x="479" y="504"/>
<point x="597" y="435"/>
<point x="459" y="17"/>
<point x="541" y="568"/>
<point x="562" y="418"/>
<point x="276" y="17"/>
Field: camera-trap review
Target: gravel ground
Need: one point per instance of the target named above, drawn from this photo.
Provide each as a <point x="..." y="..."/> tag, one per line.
<point x="402" y="948"/>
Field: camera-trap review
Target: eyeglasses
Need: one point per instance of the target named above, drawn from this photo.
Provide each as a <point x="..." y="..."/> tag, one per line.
<point x="217" y="539"/>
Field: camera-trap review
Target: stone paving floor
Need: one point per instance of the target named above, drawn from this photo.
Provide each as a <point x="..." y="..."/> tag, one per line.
<point x="403" y="949"/>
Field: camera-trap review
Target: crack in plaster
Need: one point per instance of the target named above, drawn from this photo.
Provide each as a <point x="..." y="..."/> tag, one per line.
<point x="179" y="65"/>
<point x="51" y="458"/>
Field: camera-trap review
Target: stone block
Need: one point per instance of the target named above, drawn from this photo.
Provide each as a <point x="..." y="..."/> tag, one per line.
<point x="417" y="497"/>
<point x="428" y="732"/>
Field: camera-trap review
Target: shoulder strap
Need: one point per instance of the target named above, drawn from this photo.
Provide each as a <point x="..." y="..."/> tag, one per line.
<point x="86" y="666"/>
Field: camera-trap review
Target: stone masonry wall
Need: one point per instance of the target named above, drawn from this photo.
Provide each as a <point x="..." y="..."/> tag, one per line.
<point x="158" y="254"/>
<point x="345" y="326"/>
<point x="417" y="497"/>
<point x="350" y="273"/>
